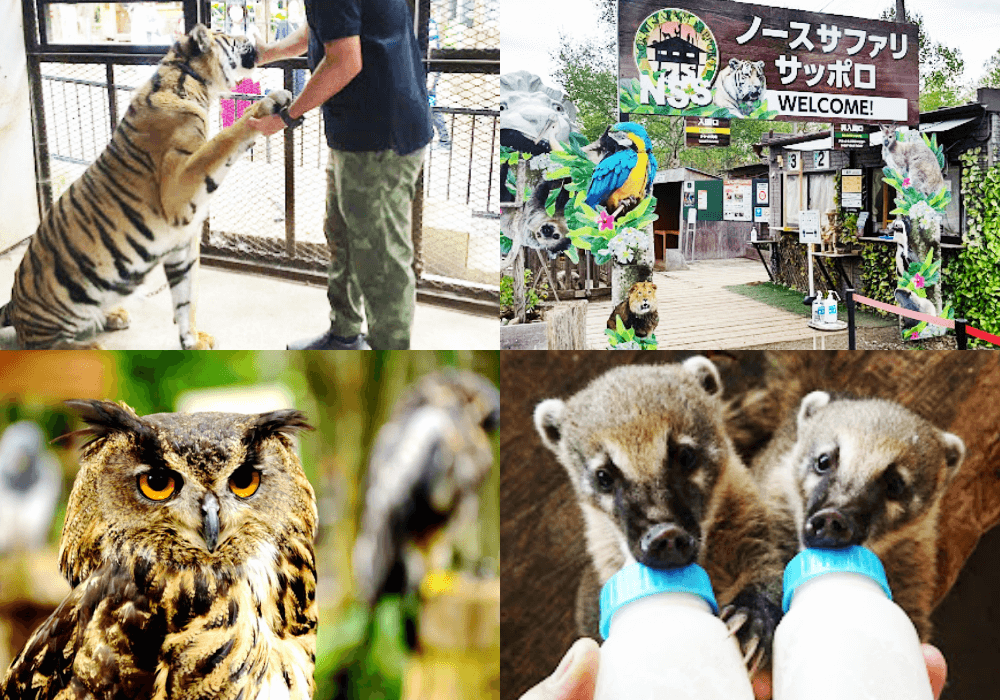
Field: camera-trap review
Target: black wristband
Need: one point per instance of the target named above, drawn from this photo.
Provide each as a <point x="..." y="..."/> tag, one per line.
<point x="289" y="122"/>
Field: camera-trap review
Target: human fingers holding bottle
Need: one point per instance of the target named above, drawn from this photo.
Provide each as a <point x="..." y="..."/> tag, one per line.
<point x="576" y="676"/>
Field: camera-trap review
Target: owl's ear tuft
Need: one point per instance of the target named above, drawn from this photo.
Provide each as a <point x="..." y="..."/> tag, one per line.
<point x="106" y="417"/>
<point x="286" y="421"/>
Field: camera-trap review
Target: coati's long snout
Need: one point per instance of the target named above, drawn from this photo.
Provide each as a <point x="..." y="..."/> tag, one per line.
<point x="831" y="529"/>
<point x="667" y="546"/>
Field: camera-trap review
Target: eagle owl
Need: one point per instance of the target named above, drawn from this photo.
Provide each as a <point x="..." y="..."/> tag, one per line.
<point x="188" y="541"/>
<point x="427" y="461"/>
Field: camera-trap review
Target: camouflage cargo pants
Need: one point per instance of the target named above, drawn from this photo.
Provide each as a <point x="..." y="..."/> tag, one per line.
<point x="368" y="215"/>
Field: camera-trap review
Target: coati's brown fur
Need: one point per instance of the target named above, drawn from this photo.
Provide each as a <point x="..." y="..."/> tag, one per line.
<point x="638" y="310"/>
<point x="865" y="472"/>
<point x="648" y="454"/>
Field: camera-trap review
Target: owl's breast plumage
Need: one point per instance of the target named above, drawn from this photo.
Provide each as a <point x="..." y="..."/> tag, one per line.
<point x="253" y="633"/>
<point x="146" y="631"/>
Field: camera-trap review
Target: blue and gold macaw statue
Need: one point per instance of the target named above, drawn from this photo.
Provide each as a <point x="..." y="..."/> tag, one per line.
<point x="624" y="177"/>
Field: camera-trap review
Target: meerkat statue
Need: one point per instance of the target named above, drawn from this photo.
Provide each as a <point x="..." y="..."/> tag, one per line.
<point x="868" y="472"/>
<point x="659" y="482"/>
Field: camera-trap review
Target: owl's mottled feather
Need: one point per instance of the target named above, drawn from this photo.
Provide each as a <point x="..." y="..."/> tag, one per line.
<point x="157" y="611"/>
<point x="430" y="456"/>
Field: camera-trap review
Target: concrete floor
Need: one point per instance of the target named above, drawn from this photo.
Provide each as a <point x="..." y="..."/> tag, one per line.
<point x="252" y="312"/>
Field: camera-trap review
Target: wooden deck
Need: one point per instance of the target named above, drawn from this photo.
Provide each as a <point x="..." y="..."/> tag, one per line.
<point x="697" y="313"/>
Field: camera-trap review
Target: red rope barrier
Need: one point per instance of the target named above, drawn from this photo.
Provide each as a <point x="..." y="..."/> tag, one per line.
<point x="934" y="320"/>
<point x="983" y="335"/>
<point x="898" y="310"/>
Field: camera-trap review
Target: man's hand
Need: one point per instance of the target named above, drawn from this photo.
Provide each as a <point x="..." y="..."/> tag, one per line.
<point x="576" y="677"/>
<point x="937" y="671"/>
<point x="268" y="126"/>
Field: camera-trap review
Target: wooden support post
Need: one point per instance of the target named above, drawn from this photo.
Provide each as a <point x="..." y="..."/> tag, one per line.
<point x="460" y="644"/>
<point x="520" y="293"/>
<point x="566" y="326"/>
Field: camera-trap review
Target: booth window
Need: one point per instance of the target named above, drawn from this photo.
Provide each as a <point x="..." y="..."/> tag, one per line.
<point x="952" y="224"/>
<point x="882" y="201"/>
<point x="790" y="200"/>
<point x="820" y="186"/>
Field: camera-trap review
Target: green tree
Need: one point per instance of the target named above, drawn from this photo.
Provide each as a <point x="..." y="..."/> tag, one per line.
<point x="941" y="67"/>
<point x="991" y="78"/>
<point x="587" y="73"/>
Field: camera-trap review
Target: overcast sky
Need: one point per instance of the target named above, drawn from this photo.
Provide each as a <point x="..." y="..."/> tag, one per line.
<point x="529" y="29"/>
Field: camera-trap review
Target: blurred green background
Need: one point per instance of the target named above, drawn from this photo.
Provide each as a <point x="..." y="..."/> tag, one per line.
<point x="347" y="396"/>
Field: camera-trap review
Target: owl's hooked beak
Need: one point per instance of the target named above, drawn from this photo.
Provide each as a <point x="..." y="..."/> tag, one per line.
<point x="210" y="521"/>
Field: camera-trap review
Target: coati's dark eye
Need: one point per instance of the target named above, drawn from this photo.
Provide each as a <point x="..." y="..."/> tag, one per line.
<point x="605" y="477"/>
<point x="687" y="459"/>
<point x="823" y="464"/>
<point x="895" y="487"/>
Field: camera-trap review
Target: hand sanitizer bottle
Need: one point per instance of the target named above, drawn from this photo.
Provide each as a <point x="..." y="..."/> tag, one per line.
<point x="664" y="640"/>
<point x="842" y="637"/>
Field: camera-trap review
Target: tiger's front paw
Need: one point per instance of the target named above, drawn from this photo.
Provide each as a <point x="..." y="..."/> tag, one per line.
<point x="273" y="103"/>
<point x="116" y="320"/>
<point x="197" y="341"/>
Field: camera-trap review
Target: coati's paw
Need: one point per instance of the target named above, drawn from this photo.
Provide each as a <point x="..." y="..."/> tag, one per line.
<point x="273" y="103"/>
<point x="753" y="616"/>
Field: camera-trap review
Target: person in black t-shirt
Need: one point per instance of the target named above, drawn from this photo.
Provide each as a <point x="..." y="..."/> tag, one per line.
<point x="369" y="79"/>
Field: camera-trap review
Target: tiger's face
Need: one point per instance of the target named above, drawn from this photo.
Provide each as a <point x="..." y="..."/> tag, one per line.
<point x="222" y="60"/>
<point x="748" y="79"/>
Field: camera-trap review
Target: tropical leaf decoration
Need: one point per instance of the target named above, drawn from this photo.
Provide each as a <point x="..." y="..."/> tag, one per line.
<point x="623" y="338"/>
<point x="921" y="275"/>
<point x="505" y="245"/>
<point x="908" y="196"/>
<point x="918" y="330"/>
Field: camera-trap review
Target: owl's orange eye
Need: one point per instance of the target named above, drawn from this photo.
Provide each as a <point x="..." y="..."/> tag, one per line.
<point x="157" y="486"/>
<point x="244" y="482"/>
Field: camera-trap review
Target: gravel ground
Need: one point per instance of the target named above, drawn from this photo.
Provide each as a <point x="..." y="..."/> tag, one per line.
<point x="885" y="338"/>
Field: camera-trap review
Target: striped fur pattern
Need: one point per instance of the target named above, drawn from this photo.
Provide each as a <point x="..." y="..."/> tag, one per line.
<point x="140" y="204"/>
<point x="159" y="609"/>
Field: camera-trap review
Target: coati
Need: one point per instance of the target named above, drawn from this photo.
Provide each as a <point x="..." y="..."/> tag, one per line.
<point x="865" y="472"/>
<point x="913" y="159"/>
<point x="659" y="482"/>
<point x="637" y="310"/>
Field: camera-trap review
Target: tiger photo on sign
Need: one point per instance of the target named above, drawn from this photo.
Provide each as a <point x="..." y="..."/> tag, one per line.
<point x="740" y="86"/>
<point x="140" y="204"/>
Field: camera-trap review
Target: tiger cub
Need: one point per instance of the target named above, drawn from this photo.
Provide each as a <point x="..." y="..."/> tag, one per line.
<point x="140" y="204"/>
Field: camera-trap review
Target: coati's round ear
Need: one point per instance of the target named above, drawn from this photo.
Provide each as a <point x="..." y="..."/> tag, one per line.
<point x="954" y="451"/>
<point x="548" y="421"/>
<point x="810" y="404"/>
<point x="705" y="371"/>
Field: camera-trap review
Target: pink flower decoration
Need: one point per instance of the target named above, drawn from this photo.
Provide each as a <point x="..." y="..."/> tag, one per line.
<point x="906" y="182"/>
<point x="605" y="222"/>
<point x="918" y="281"/>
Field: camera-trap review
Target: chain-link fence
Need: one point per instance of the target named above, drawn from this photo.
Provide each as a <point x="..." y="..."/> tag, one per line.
<point x="461" y="203"/>
<point x="268" y="213"/>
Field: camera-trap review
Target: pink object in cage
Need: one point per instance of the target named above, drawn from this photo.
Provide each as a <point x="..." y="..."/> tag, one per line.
<point x="233" y="109"/>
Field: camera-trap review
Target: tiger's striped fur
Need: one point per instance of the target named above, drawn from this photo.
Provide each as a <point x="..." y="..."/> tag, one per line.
<point x="140" y="204"/>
